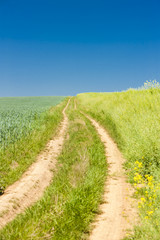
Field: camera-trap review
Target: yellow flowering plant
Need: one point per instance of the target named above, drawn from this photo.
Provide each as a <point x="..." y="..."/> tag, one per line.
<point x="147" y="188"/>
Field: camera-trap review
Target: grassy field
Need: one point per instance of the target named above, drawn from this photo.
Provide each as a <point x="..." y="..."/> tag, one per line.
<point x="133" y="120"/>
<point x="19" y="117"/>
<point x="26" y="124"/>
<point x="71" y="201"/>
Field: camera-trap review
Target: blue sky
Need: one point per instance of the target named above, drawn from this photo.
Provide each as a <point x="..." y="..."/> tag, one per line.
<point x="66" y="47"/>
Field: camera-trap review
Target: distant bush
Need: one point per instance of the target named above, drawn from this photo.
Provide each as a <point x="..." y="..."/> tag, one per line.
<point x="151" y="84"/>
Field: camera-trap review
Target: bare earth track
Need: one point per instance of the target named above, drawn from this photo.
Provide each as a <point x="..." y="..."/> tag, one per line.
<point x="118" y="213"/>
<point x="32" y="184"/>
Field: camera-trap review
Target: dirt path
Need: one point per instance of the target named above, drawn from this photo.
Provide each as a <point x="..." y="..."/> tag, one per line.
<point x="75" y="104"/>
<point x="32" y="184"/>
<point x="118" y="212"/>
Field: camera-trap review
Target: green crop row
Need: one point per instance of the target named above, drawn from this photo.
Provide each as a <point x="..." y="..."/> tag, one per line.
<point x="20" y="116"/>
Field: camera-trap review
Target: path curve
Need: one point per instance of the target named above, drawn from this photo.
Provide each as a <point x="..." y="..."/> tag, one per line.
<point x="30" y="187"/>
<point x="118" y="212"/>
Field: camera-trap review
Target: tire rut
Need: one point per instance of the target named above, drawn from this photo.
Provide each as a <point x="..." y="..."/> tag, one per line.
<point x="30" y="187"/>
<point x="118" y="212"/>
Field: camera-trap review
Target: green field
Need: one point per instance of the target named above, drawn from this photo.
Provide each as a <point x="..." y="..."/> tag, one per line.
<point x="70" y="203"/>
<point x="19" y="116"/>
<point x="26" y="123"/>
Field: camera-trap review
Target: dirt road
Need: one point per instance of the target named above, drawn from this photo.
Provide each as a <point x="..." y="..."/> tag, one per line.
<point x="32" y="184"/>
<point x="118" y="212"/>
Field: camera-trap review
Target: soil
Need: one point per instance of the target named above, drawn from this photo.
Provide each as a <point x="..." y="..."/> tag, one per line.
<point x="118" y="211"/>
<point x="34" y="181"/>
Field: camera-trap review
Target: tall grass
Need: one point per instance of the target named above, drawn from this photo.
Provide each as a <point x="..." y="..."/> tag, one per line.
<point x="133" y="120"/>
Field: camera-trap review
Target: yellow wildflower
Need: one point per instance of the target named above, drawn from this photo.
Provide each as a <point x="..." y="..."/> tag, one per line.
<point x="150" y="212"/>
<point x="143" y="199"/>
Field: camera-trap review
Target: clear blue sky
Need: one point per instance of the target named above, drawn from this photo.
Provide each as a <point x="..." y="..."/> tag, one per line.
<point x="64" y="47"/>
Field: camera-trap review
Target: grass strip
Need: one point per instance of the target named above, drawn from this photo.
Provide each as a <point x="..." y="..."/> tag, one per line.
<point x="71" y="201"/>
<point x="14" y="161"/>
<point x="132" y="119"/>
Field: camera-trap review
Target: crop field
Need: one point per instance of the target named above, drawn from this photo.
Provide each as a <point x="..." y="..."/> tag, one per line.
<point x="19" y="116"/>
<point x="22" y="121"/>
<point x="71" y="202"/>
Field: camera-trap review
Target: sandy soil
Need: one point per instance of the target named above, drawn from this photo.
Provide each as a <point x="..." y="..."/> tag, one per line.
<point x="118" y="212"/>
<point x="32" y="184"/>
